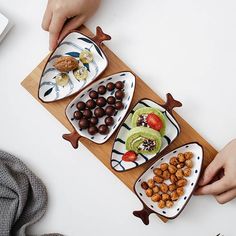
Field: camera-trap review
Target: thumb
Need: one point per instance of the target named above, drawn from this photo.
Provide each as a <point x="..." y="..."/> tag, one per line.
<point x="211" y="170"/>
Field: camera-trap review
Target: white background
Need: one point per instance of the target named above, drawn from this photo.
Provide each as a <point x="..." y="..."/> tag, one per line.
<point x="184" y="47"/>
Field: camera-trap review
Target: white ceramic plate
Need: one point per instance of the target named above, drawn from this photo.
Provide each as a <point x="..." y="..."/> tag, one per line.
<point x="129" y="84"/>
<point x="3" y="23"/>
<point x="192" y="181"/>
<point x="118" y="150"/>
<point x="71" y="45"/>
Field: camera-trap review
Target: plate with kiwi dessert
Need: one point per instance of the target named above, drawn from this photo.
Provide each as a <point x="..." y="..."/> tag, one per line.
<point x="97" y="111"/>
<point x="147" y="131"/>
<point x="76" y="62"/>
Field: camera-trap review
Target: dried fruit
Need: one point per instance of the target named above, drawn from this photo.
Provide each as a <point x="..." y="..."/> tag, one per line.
<point x="156" y="197"/>
<point x="149" y="192"/>
<point x="144" y="185"/>
<point x="66" y="63"/>
<point x="151" y="183"/>
<point x="158" y="172"/>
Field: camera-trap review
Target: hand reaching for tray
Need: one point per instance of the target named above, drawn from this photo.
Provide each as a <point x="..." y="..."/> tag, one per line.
<point x="58" y="12"/>
<point x="223" y="166"/>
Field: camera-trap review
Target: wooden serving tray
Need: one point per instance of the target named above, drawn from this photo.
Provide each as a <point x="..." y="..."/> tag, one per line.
<point x="103" y="152"/>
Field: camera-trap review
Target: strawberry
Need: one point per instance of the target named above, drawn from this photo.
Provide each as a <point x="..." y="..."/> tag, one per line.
<point x="154" y="121"/>
<point x="129" y="156"/>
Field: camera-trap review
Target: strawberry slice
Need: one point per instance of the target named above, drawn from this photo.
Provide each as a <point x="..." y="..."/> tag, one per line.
<point x="129" y="156"/>
<point x="154" y="121"/>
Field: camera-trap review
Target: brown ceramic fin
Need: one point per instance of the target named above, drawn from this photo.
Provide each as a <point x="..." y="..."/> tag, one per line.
<point x="143" y="214"/>
<point x="100" y="36"/>
<point x="171" y="103"/>
<point x="73" y="138"/>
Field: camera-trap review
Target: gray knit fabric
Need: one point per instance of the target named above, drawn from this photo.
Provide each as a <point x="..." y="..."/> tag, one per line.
<point x="23" y="196"/>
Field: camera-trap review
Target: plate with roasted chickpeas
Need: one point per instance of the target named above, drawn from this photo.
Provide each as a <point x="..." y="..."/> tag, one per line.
<point x="166" y="187"/>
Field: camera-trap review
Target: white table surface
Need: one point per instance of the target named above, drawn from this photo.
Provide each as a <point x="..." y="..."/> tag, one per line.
<point x="184" y="47"/>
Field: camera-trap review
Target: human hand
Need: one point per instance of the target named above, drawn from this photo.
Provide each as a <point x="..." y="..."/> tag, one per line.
<point x="224" y="189"/>
<point x="59" y="11"/>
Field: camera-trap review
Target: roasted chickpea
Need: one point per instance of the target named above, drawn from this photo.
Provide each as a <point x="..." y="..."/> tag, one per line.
<point x="188" y="155"/>
<point x="166" y="174"/>
<point x="187" y="172"/>
<point x="181" y="182"/>
<point x="144" y="185"/>
<point x="174" y="161"/>
<point x="157" y="171"/>
<point x="173" y="179"/>
<point x="156" y="189"/>
<point x="180" y="165"/>
<point x="158" y="179"/>
<point x="189" y="163"/>
<point x="164" y="188"/>
<point x="172" y="169"/>
<point x="161" y="204"/>
<point x="156" y="197"/>
<point x="179" y="174"/>
<point x="164" y="166"/>
<point x="169" y="204"/>
<point x="149" y="192"/>
<point x="180" y="191"/>
<point x="181" y="157"/>
<point x="174" y="196"/>
<point x="151" y="183"/>
<point x="165" y="196"/>
<point x="172" y="187"/>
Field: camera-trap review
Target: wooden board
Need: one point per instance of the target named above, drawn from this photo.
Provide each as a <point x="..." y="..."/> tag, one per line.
<point x="102" y="152"/>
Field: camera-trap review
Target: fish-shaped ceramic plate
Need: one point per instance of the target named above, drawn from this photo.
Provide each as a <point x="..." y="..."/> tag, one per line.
<point x="149" y="206"/>
<point x="129" y="85"/>
<point x="171" y="133"/>
<point x="72" y="45"/>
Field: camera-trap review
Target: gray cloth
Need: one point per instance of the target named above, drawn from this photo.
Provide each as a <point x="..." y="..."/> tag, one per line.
<point x="23" y="196"/>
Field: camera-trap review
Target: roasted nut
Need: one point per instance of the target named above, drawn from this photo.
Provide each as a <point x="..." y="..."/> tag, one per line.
<point x="180" y="191"/>
<point x="165" y="196"/>
<point x="188" y="155"/>
<point x="169" y="204"/>
<point x="172" y="169"/>
<point x="166" y="174"/>
<point x="173" y="179"/>
<point x="158" y="179"/>
<point x="144" y="185"/>
<point x="174" y="196"/>
<point x="164" y="166"/>
<point x="149" y="192"/>
<point x="161" y="204"/>
<point x="179" y="174"/>
<point x="181" y="157"/>
<point x="180" y="165"/>
<point x="156" y="189"/>
<point x="156" y="197"/>
<point x="187" y="172"/>
<point x="172" y="187"/>
<point x="174" y="161"/>
<point x="66" y="63"/>
<point x="151" y="183"/>
<point x="181" y="182"/>
<point x="164" y="188"/>
<point x="157" y="171"/>
<point x="189" y="163"/>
